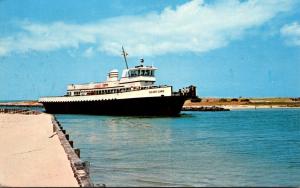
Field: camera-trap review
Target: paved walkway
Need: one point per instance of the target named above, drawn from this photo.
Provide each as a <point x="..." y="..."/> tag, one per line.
<point x="30" y="155"/>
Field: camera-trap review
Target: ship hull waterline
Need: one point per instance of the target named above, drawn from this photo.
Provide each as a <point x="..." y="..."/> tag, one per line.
<point x="148" y="106"/>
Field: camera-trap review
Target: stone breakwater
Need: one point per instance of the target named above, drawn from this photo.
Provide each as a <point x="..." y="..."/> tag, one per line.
<point x="203" y="108"/>
<point x="79" y="167"/>
<point x="36" y="151"/>
<point x="21" y="104"/>
<point x="19" y="111"/>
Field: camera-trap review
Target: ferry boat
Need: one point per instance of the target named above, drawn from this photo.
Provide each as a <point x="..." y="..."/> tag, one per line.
<point x="135" y="93"/>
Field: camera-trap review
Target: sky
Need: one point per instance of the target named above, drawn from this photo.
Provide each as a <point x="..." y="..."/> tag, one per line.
<point x="226" y="48"/>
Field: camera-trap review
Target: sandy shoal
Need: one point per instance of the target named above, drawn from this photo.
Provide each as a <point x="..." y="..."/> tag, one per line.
<point x="28" y="157"/>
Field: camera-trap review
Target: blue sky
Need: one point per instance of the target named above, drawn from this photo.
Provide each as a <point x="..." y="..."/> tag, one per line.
<point x="227" y="48"/>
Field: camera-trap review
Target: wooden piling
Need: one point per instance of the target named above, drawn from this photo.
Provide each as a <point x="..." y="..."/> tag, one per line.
<point x="71" y="143"/>
<point x="77" y="151"/>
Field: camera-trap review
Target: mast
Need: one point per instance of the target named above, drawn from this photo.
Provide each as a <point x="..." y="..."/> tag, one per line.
<point x="124" y="55"/>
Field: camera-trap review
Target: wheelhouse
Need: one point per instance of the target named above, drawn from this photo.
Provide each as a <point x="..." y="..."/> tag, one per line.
<point x="147" y="71"/>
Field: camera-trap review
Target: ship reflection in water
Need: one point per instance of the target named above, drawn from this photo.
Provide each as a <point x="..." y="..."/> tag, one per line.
<point x="240" y="148"/>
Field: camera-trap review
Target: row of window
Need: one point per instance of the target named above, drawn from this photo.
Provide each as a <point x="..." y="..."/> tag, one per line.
<point x="109" y="91"/>
<point x="134" y="73"/>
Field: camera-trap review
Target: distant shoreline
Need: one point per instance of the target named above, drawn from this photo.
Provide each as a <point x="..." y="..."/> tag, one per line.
<point x="244" y="107"/>
<point x="226" y="103"/>
<point x="244" y="103"/>
<point x="22" y="104"/>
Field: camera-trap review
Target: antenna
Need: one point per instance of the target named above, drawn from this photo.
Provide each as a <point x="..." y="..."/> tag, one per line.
<point x="124" y="55"/>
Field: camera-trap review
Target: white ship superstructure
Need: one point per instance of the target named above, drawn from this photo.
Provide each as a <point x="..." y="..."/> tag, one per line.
<point x="135" y="83"/>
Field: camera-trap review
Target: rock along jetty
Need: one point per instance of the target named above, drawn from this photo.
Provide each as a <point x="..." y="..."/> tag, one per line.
<point x="203" y="108"/>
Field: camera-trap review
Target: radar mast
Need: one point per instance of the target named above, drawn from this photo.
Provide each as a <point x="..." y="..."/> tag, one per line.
<point x="124" y="55"/>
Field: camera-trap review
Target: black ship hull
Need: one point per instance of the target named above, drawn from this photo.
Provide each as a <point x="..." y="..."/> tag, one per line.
<point x="148" y="106"/>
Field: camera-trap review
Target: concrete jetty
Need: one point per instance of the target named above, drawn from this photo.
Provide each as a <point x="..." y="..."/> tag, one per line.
<point x="32" y="153"/>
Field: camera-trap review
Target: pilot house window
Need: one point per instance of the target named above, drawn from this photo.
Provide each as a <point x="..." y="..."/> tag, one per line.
<point x="134" y="73"/>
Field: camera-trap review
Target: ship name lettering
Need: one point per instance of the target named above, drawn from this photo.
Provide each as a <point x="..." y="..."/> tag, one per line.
<point x="157" y="91"/>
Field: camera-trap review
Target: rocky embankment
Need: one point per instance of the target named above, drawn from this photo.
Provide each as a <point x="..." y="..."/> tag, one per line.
<point x="203" y="108"/>
<point x="22" y="104"/>
<point x="224" y="104"/>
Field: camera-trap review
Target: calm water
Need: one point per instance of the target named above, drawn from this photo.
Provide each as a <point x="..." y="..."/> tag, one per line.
<point x="236" y="148"/>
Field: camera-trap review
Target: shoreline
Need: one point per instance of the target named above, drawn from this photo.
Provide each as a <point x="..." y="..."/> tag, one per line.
<point x="206" y="104"/>
<point x="244" y="103"/>
<point x="22" y="104"/>
<point x="240" y="107"/>
<point x="34" y="152"/>
<point x="246" y="107"/>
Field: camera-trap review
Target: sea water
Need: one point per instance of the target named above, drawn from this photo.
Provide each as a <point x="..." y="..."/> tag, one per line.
<point x="236" y="148"/>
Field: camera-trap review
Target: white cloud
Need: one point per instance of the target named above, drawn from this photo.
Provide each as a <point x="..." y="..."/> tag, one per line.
<point x="46" y="37"/>
<point x="292" y="33"/>
<point x="89" y="52"/>
<point x="192" y="27"/>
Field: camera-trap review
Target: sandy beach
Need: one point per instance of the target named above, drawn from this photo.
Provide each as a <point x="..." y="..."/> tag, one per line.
<point x="30" y="154"/>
